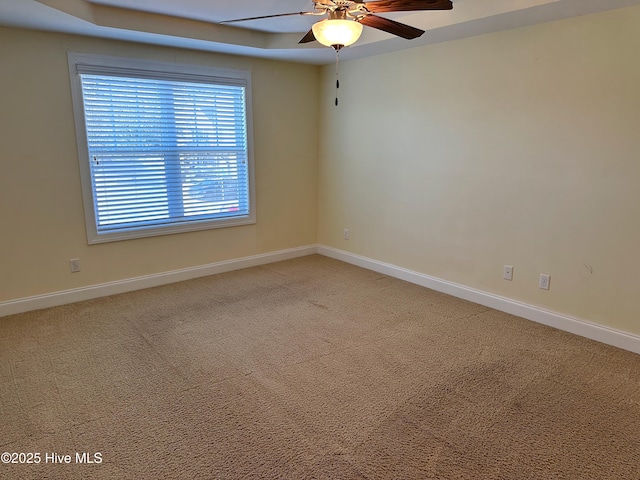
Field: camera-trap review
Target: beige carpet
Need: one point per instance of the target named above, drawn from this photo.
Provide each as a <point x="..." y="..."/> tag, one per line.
<point x="311" y="369"/>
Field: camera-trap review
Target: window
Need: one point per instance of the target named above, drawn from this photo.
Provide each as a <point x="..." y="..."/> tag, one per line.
<point x="163" y="148"/>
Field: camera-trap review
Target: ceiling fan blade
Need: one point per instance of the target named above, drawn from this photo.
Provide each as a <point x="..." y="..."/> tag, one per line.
<point x="391" y="26"/>
<point x="309" y="37"/>
<point x="266" y="16"/>
<point x="382" y="6"/>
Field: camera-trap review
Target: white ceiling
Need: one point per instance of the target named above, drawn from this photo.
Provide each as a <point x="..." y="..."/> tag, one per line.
<point x="194" y="23"/>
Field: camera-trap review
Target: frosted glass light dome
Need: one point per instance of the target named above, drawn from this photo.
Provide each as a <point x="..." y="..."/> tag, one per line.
<point x="332" y="32"/>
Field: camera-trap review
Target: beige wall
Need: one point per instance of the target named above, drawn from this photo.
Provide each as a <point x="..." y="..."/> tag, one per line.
<point x="520" y="147"/>
<point x="41" y="213"/>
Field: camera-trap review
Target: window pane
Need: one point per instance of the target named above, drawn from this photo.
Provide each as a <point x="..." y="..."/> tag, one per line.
<point x="165" y="152"/>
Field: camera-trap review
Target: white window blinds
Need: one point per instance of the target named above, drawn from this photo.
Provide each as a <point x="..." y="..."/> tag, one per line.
<point x="164" y="152"/>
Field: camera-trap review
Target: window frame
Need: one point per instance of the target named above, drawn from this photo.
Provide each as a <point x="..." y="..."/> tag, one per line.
<point x="137" y="68"/>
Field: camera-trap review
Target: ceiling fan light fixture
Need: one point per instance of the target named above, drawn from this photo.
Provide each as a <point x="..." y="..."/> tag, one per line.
<point x="337" y="32"/>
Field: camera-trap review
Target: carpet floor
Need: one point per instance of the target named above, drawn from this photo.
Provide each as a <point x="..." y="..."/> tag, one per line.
<point x="309" y="369"/>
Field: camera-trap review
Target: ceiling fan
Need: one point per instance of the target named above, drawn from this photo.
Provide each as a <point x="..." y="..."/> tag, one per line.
<point x="345" y="19"/>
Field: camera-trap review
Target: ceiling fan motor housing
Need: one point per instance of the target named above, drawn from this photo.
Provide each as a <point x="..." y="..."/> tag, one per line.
<point x="344" y="7"/>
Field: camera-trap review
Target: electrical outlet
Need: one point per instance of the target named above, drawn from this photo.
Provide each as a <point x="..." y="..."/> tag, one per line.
<point x="74" y="265"/>
<point x="544" y="281"/>
<point x="508" y="272"/>
<point x="346" y="234"/>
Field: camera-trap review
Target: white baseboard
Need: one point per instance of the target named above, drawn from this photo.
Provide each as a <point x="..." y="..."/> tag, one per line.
<point x="111" y="288"/>
<point x="600" y="333"/>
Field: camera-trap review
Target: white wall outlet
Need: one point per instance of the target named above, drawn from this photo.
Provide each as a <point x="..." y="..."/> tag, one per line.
<point x="74" y="265"/>
<point x="507" y="274"/>
<point x="544" y="281"/>
<point x="346" y="234"/>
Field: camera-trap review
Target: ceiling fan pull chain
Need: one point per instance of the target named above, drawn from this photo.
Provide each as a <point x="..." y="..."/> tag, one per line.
<point x="337" y="79"/>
